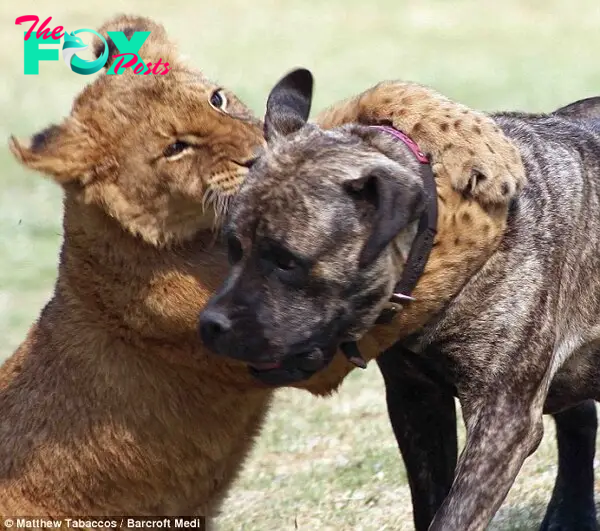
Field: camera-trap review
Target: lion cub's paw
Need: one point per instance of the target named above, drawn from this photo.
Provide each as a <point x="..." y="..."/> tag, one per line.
<point x="480" y="161"/>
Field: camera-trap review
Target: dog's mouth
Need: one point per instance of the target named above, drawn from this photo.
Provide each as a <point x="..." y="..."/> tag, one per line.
<point x="294" y="368"/>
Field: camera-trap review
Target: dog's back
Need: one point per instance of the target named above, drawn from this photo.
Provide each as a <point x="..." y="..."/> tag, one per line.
<point x="543" y="284"/>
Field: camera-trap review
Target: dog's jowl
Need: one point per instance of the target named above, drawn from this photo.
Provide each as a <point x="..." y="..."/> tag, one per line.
<point x="319" y="237"/>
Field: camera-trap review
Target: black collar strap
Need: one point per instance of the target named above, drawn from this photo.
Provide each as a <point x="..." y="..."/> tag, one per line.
<point x="419" y="251"/>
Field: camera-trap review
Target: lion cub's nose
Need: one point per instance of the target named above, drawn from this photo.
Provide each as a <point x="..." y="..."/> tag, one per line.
<point x="214" y="325"/>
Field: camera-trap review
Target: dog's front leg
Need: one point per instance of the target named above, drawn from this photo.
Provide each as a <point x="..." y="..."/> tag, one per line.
<point x="503" y="428"/>
<point x="423" y="417"/>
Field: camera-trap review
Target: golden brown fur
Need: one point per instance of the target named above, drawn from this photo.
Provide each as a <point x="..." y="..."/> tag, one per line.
<point x="111" y="405"/>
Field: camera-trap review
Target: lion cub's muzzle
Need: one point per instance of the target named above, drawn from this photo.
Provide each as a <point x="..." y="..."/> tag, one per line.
<point x="237" y="334"/>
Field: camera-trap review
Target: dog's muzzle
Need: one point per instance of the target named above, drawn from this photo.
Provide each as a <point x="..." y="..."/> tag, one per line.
<point x="299" y="363"/>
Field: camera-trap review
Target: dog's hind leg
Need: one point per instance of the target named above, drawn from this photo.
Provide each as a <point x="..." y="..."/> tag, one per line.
<point x="423" y="416"/>
<point x="572" y="504"/>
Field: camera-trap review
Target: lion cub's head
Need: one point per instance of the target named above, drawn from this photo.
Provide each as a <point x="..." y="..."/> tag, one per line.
<point x="161" y="154"/>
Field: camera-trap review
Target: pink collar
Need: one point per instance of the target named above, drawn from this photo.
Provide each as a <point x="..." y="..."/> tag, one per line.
<point x="419" y="251"/>
<point x="410" y="143"/>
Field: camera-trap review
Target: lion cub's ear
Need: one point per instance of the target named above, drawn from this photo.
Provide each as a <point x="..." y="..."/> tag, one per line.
<point x="60" y="151"/>
<point x="156" y="46"/>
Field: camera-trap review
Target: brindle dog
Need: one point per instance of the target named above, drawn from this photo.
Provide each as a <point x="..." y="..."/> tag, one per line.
<point x="517" y="340"/>
<point x="423" y="417"/>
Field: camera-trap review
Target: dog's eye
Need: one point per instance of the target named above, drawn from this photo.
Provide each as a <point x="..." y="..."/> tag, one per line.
<point x="218" y="100"/>
<point x="174" y="149"/>
<point x="234" y="250"/>
<point x="286" y="265"/>
<point x="282" y="259"/>
<point x="285" y="262"/>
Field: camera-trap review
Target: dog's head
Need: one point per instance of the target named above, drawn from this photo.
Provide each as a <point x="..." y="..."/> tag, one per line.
<point x="161" y="153"/>
<point x="317" y="238"/>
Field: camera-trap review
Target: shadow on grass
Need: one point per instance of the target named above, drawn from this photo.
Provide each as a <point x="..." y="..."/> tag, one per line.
<point x="523" y="517"/>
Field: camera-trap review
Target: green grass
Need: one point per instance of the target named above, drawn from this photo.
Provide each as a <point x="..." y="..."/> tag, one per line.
<point x="320" y="464"/>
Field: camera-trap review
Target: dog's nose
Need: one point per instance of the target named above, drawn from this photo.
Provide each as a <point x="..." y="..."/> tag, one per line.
<point x="213" y="326"/>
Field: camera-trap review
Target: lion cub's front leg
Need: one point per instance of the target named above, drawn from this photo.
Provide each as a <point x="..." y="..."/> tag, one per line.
<point x="465" y="145"/>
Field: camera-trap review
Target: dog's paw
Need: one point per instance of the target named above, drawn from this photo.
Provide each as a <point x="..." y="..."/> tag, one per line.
<point x="480" y="161"/>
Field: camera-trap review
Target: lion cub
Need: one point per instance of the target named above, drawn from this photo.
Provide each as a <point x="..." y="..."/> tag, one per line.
<point x="111" y="406"/>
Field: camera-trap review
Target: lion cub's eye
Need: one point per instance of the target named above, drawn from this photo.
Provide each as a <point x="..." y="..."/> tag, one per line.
<point x="218" y="100"/>
<point x="176" y="148"/>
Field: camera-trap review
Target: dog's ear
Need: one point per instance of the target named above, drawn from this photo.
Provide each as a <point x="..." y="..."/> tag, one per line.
<point x="65" y="152"/>
<point x="156" y="44"/>
<point x="288" y="105"/>
<point x="391" y="203"/>
<point x="588" y="108"/>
